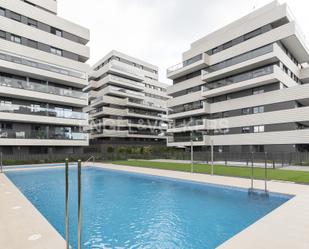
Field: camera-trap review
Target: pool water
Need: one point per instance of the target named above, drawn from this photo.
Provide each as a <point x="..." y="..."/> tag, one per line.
<point x="124" y="210"/>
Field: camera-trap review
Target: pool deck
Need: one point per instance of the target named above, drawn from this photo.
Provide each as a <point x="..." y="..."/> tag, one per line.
<point x="285" y="227"/>
<point x="21" y="224"/>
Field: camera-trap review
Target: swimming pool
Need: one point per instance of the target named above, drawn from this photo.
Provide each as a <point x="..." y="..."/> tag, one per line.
<point x="125" y="210"/>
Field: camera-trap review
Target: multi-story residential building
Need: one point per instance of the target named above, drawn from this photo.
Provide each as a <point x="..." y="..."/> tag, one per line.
<point x="42" y="74"/>
<point x="127" y="104"/>
<point x="244" y="87"/>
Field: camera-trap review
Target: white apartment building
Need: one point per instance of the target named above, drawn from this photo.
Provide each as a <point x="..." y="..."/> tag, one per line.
<point x="127" y="103"/>
<point x="244" y="87"/>
<point x="42" y="74"/>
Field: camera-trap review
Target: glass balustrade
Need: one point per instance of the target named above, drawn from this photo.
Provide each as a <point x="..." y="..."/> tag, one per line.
<point x="25" y="134"/>
<point x="238" y="59"/>
<point x="41" y="111"/>
<point x="41" y="65"/>
<point x="32" y="86"/>
<point x="238" y="78"/>
<point x="131" y="82"/>
<point x="126" y="68"/>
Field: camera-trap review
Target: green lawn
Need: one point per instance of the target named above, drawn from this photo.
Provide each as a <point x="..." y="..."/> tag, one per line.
<point x="273" y="174"/>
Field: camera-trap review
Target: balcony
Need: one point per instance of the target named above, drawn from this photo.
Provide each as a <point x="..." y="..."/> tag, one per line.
<point x="237" y="60"/>
<point x="120" y="92"/>
<point x="41" y="65"/>
<point x="41" y="111"/>
<point x="23" y="134"/>
<point x="197" y="62"/>
<point x="126" y="82"/>
<point x="188" y="110"/>
<point x="36" y="87"/>
<point x="145" y="104"/>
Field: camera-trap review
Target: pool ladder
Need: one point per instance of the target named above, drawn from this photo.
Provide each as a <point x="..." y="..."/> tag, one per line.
<point x="1" y="163"/>
<point x="79" y="192"/>
<point x="251" y="189"/>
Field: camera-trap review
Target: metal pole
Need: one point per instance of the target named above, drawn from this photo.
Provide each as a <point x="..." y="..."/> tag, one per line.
<point x="67" y="203"/>
<point x="1" y="163"/>
<point x="192" y="155"/>
<point x="265" y="171"/>
<point x="212" y="156"/>
<point x="79" y="171"/>
<point x="251" y="170"/>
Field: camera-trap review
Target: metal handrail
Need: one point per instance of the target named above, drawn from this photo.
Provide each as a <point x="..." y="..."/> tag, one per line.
<point x="88" y="160"/>
<point x="1" y="163"/>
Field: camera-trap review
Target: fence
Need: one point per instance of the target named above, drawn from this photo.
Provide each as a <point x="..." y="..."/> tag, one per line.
<point x="245" y="159"/>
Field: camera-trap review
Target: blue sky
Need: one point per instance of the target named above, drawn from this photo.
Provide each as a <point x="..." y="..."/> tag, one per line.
<point x="159" y="31"/>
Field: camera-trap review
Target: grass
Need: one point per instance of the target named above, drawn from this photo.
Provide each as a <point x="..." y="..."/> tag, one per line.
<point x="245" y="172"/>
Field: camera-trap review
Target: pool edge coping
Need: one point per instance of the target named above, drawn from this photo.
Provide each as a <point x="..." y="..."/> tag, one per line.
<point x="22" y="225"/>
<point x="258" y="235"/>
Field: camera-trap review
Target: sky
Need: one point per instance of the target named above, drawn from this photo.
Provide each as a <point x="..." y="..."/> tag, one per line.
<point x="159" y="31"/>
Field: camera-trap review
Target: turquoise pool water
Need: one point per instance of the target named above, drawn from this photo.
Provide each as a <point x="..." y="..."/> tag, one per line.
<point x="124" y="210"/>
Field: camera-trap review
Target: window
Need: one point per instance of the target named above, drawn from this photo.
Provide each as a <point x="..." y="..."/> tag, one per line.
<point x="258" y="109"/>
<point x="16" y="39"/>
<point x="245" y="111"/>
<point x="258" y="128"/>
<point x="2" y="12"/>
<point x="245" y="129"/>
<point x="2" y="34"/>
<point x="32" y="44"/>
<point x="258" y="90"/>
<point x="225" y="114"/>
<point x="56" y="51"/>
<point x="32" y="23"/>
<point x="56" y="32"/>
<point x="16" y="16"/>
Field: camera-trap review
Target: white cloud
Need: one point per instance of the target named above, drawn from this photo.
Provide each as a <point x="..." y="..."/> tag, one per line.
<point x="159" y="31"/>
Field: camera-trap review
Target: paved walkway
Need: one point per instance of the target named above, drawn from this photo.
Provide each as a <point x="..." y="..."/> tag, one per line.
<point x="21" y="225"/>
<point x="240" y="164"/>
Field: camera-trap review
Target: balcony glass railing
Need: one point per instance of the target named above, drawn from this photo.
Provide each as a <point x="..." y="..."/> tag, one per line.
<point x="115" y="64"/>
<point x="187" y="107"/>
<point x="238" y="78"/>
<point x="185" y="63"/>
<point x="189" y="123"/>
<point x="121" y="90"/>
<point x="131" y="82"/>
<point x="22" y="134"/>
<point x="196" y="138"/>
<point x="37" y="87"/>
<point x="41" y="111"/>
<point x="41" y="65"/>
<point x="145" y="103"/>
<point x="238" y="59"/>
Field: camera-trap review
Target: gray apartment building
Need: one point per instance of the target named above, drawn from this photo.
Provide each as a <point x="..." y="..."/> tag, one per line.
<point x="42" y="74"/>
<point x="127" y="103"/>
<point x="244" y="88"/>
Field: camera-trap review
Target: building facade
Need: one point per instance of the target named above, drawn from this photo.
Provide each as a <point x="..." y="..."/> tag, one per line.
<point x="127" y="103"/>
<point x="42" y="74"/>
<point x="244" y="88"/>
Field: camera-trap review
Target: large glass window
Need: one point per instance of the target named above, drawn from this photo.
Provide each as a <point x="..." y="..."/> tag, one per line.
<point x="2" y="12"/>
<point x="32" y="23"/>
<point x="16" y="16"/>
<point x="258" y="128"/>
<point x="16" y="39"/>
<point x="56" y="32"/>
<point x="258" y="109"/>
<point x="2" y="34"/>
<point x="246" y="111"/>
<point x="245" y="129"/>
<point x="56" y="51"/>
